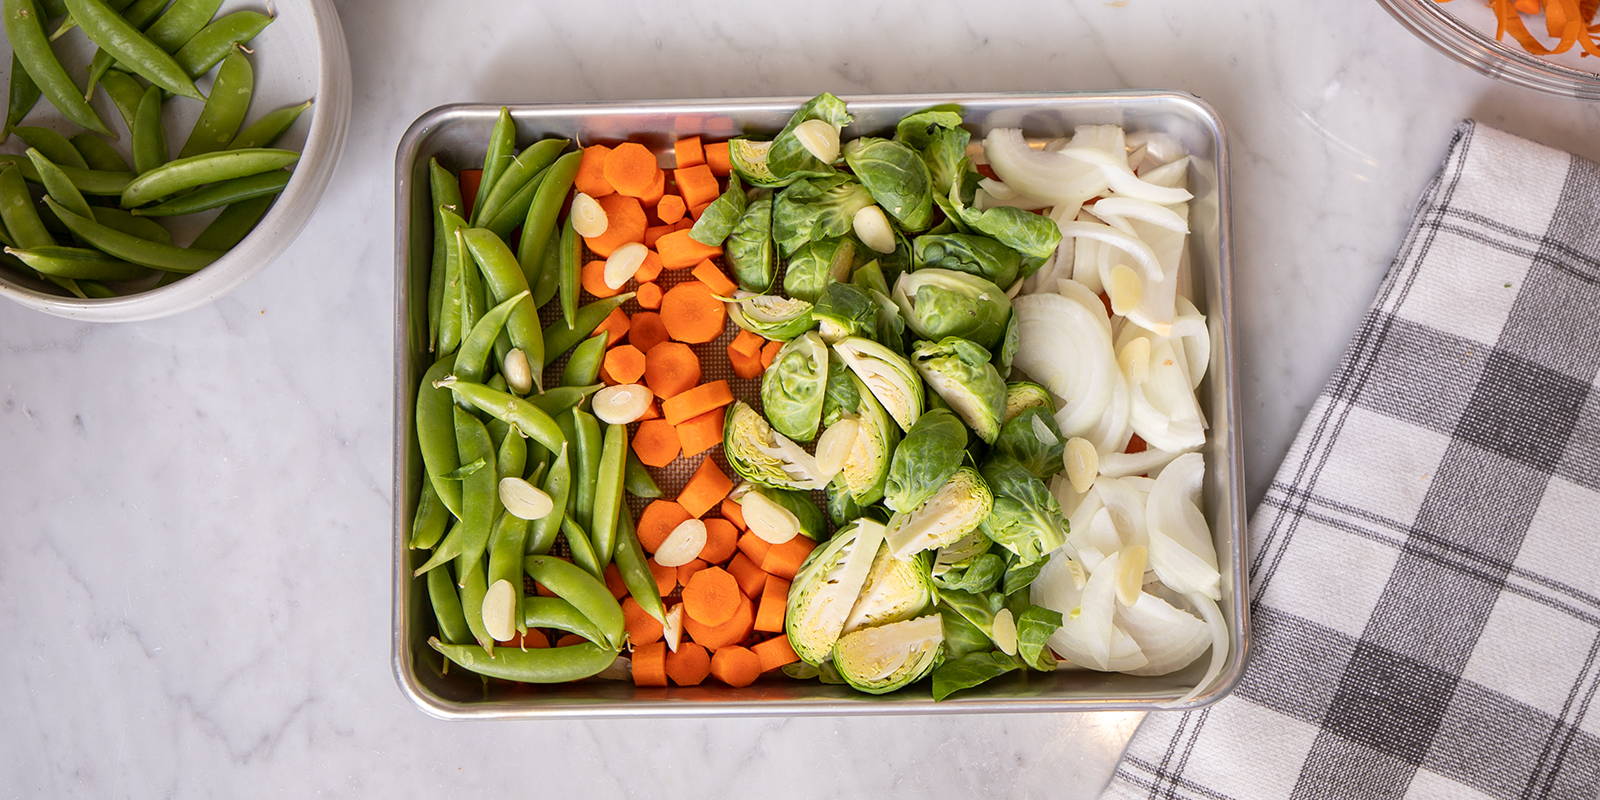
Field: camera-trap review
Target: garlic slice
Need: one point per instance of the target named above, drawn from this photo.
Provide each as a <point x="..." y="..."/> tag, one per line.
<point x="517" y="371"/>
<point x="621" y="404"/>
<point x="500" y="610"/>
<point x="833" y="446"/>
<point x="1005" y="632"/>
<point x="770" y="522"/>
<point x="819" y="138"/>
<point x="672" y="627"/>
<point x="872" y="228"/>
<point x="588" y="218"/>
<point x="1082" y="462"/>
<point x="683" y="544"/>
<point x="1125" y="288"/>
<point x="523" y="500"/>
<point x="622" y="263"/>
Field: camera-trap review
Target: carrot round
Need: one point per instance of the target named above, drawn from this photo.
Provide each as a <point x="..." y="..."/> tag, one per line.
<point x="734" y="513"/>
<point x="593" y="278"/>
<point x="615" y="326"/>
<point x="705" y="489"/>
<point x="774" y="598"/>
<point x="614" y="582"/>
<point x="699" y="434"/>
<point x="657" y="522"/>
<point x="631" y="169"/>
<point x="722" y="540"/>
<point x="642" y="628"/>
<point x="649" y="296"/>
<point x="625" y="363"/>
<point x="688" y="570"/>
<point x="687" y="152"/>
<point x="666" y="577"/>
<point x="570" y="639"/>
<point x="649" y="268"/>
<point x="678" y="251"/>
<point x="670" y="368"/>
<point x="733" y="631"/>
<point x="774" y="653"/>
<point x="658" y="189"/>
<point x="671" y="208"/>
<point x="693" y="313"/>
<point x="749" y="575"/>
<point x="682" y="406"/>
<point x="736" y="666"/>
<point x="656" y="445"/>
<point x="650" y="664"/>
<point x="591" y="179"/>
<point x="645" y="329"/>
<point x="712" y="597"/>
<point x="690" y="665"/>
<point x="624" y="223"/>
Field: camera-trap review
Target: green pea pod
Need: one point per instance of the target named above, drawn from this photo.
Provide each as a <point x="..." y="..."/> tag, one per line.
<point x="448" y="549"/>
<point x="77" y="262"/>
<point x="56" y="184"/>
<point x="511" y="454"/>
<point x="19" y="213"/>
<point x="25" y="32"/>
<point x="472" y="357"/>
<point x="473" y="583"/>
<point x="553" y="612"/>
<point x="527" y="417"/>
<point x="225" y="193"/>
<point x="224" y="110"/>
<point x="22" y="94"/>
<point x="233" y="224"/>
<point x="436" y="434"/>
<point x="540" y="221"/>
<point x="270" y="128"/>
<point x="428" y="524"/>
<point x="480" y="496"/>
<point x="506" y="545"/>
<point x="545" y="284"/>
<point x="584" y="366"/>
<point x="155" y="255"/>
<point x="588" y="467"/>
<point x="558" y="485"/>
<point x="149" y="135"/>
<point x="140" y="14"/>
<point x="179" y="23"/>
<point x="470" y="286"/>
<point x="445" y="191"/>
<point x="502" y="139"/>
<point x="635" y="571"/>
<point x="504" y="280"/>
<point x="88" y="181"/>
<point x="518" y="173"/>
<point x="98" y="153"/>
<point x="451" y="328"/>
<point x="142" y="227"/>
<point x="580" y="547"/>
<point x="561" y="399"/>
<point x="96" y="290"/>
<point x="608" y="490"/>
<point x="541" y="665"/>
<point x="508" y="216"/>
<point x="447" y="607"/>
<point x="213" y="42"/>
<point x="562" y="336"/>
<point x="571" y="263"/>
<point x="106" y="28"/>
<point x="187" y="173"/>
<point x="52" y="144"/>
<point x="584" y="590"/>
<point x="637" y="481"/>
<point x="124" y="92"/>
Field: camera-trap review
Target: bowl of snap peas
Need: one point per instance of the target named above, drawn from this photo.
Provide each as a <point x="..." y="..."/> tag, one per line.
<point x="157" y="153"/>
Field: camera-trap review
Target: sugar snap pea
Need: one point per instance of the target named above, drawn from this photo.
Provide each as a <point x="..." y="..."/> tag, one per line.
<point x="637" y="481"/>
<point x="579" y="545"/>
<point x="518" y="172"/>
<point x="473" y="583"/>
<point x="139" y="14"/>
<point x="504" y="279"/>
<point x="567" y="278"/>
<point x="114" y="34"/>
<point x="584" y="365"/>
<point x="480" y="498"/>
<point x="473" y="302"/>
<point x="447" y="607"/>
<point x="583" y="590"/>
<point x="558" y="485"/>
<point x="179" y="23"/>
<point x="436" y="436"/>
<point x="540" y="221"/>
<point x="539" y="665"/>
<point x="57" y="186"/>
<point x="511" y="454"/>
<point x="561" y="337"/>
<point x="430" y="519"/>
<point x="225" y="107"/>
<point x="529" y="418"/>
<point x="22" y="94"/>
<point x="68" y="23"/>
<point x="233" y="224"/>
<point x="125" y="93"/>
<point x="608" y="490"/>
<point x="187" y="173"/>
<point x="77" y="262"/>
<point x="267" y="130"/>
<point x="544" y="284"/>
<point x="445" y="191"/>
<point x="448" y="549"/>
<point x="88" y="181"/>
<point x="216" y="195"/>
<point x="25" y="32"/>
<point x="451" y="328"/>
<point x="214" y="41"/>
<point x="561" y="399"/>
<point x="473" y="354"/>
<point x="508" y="216"/>
<point x="553" y="612"/>
<point x="149" y="135"/>
<point x="164" y="257"/>
<point x="587" y="446"/>
<point x="502" y="139"/>
<point x="506" y="544"/>
<point x="635" y="571"/>
<point x="52" y="144"/>
<point x="98" y="153"/>
<point x="141" y="227"/>
<point x="18" y="212"/>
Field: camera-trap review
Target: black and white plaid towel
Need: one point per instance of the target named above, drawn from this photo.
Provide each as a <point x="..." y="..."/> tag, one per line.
<point x="1425" y="568"/>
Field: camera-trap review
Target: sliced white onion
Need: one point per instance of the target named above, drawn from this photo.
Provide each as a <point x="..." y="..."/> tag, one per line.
<point x="1159" y="147"/>
<point x="993" y="193"/>
<point x="1170" y="637"/>
<point x="1157" y="307"/>
<point x="1145" y="462"/>
<point x="1088" y="636"/>
<point x="523" y="500"/>
<point x="1133" y="358"/>
<point x="1192" y="339"/>
<point x="1067" y="349"/>
<point x="499" y="610"/>
<point x="683" y="544"/>
<point x="621" y="404"/>
<point x="1041" y="174"/>
<point x="623" y="263"/>
<point x="872" y="228"/>
<point x="1143" y="210"/>
<point x="1218" y="628"/>
<point x="1085" y="257"/>
<point x="1125" y="501"/>
<point x="1163" y="408"/>
<point x="770" y="522"/>
<point x="819" y="138"/>
<point x="588" y="218"/>
<point x="672" y="627"/>
<point x="1122" y="180"/>
<point x="1181" y="550"/>
<point x="1172" y="173"/>
<point x="1127" y="243"/>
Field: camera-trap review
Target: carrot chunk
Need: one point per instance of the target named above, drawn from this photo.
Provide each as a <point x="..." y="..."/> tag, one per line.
<point x="754" y="548"/>
<point x="711" y="597"/>
<point x="666" y="577"/>
<point x="731" y="632"/>
<point x="615" y="326"/>
<point x="783" y="560"/>
<point x="657" y="522"/>
<point x="774" y="653"/>
<point x="690" y="665"/>
<point x="625" y="223"/>
<point x="705" y="488"/>
<point x="653" y="411"/>
<point x="687" y="152"/>
<point x="654" y="232"/>
<point x="470" y="180"/>
<point x="642" y="628"/>
<point x="699" y="434"/>
<point x="530" y="639"/>
<point x="591" y="178"/>
<point x="749" y="576"/>
<point x="746" y="343"/>
<point x="696" y="401"/>
<point x="697" y="185"/>
<point x="747" y="367"/>
<point x="570" y="639"/>
<point x="631" y="169"/>
<point x="734" y="513"/>
<point x="722" y="540"/>
<point x="769" y="353"/>
<point x="593" y="278"/>
<point x="656" y="444"/>
<point x="688" y="570"/>
<point x="650" y="664"/>
<point x="670" y="368"/>
<point x="670" y="209"/>
<point x="657" y="190"/>
<point x="625" y="364"/>
<point x="735" y="666"/>
<point x="649" y="268"/>
<point x="774" y="598"/>
<point x="649" y="296"/>
<point x="678" y="251"/>
<point x="713" y="278"/>
<point x="614" y="582"/>
<point x="718" y="160"/>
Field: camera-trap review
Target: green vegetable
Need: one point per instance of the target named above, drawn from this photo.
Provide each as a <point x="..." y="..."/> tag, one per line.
<point x="896" y="177"/>
<point x="771" y="316"/>
<point x="1034" y="440"/>
<point x="971" y="670"/>
<point x="929" y="454"/>
<point x="1010" y="341"/>
<point x="1026" y="519"/>
<point x="791" y="389"/>
<point x="749" y="249"/>
<point x="839" y="397"/>
<point x="816" y="265"/>
<point x="542" y="665"/>
<point x="637" y="479"/>
<point x="1019" y="576"/>
<point x="869" y="276"/>
<point x="887" y="375"/>
<point x="763" y="456"/>
<point x="969" y="253"/>
<point x="1035" y="626"/>
<point x="896" y="589"/>
<point x="816" y="208"/>
<point x="888" y="657"/>
<point x="825" y="589"/>
<point x="788" y="159"/>
<point x="811" y="522"/>
<point x="841" y="506"/>
<point x="719" y="218"/>
<point x="960" y="636"/>
<point x="960" y="372"/>
<point x="941" y="302"/>
<point x="1032" y="235"/>
<point x="1023" y="395"/>
<point x="866" y="468"/>
<point x="979" y="575"/>
<point x="845" y="310"/>
<point x="954" y="510"/>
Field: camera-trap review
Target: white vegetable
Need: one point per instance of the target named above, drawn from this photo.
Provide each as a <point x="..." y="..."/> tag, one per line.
<point x="1082" y="463"/>
<point x="1067" y="349"/>
<point x="517" y="370"/>
<point x="1163" y="408"/>
<point x="1122" y="180"/>
<point x="623" y="263"/>
<point x="1125" y="288"/>
<point x="1146" y="462"/>
<point x="770" y="522"/>
<point x="523" y="500"/>
<point x="1219" y="645"/>
<point x="621" y="404"/>
<point x="1088" y="636"/>
<point x="1130" y="575"/>
<point x="1126" y="500"/>
<point x="588" y="218"/>
<point x="1170" y="637"/>
<point x="672" y="627"/>
<point x="819" y="138"/>
<point x="1181" y="552"/>
<point x="1142" y="210"/>
<point x="1192" y="340"/>
<point x="683" y="544"/>
<point x="1005" y="631"/>
<point x="499" y="610"/>
<point x="1157" y="307"/>
<point x="1044" y="175"/>
<point x="872" y="228"/>
<point x="834" y="446"/>
<point x="1107" y="235"/>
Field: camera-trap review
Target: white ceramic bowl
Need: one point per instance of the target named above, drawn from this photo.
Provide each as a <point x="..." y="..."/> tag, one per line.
<point x="301" y="55"/>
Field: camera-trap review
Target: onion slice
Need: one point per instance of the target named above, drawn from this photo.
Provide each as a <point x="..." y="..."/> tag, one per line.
<point x="1181" y="552"/>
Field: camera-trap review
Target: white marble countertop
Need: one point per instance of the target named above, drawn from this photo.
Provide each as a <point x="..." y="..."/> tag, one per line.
<point x="194" y="587"/>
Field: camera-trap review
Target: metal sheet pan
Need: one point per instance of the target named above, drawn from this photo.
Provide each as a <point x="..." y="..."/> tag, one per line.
<point x="457" y="135"/>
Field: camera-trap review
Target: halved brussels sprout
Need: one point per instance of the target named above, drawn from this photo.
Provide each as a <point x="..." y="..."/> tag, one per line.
<point x="791" y="389"/>
<point x="896" y="589"/>
<point x="842" y="507"/>
<point x="825" y="589"/>
<point x="896" y="177"/>
<point x="954" y="510"/>
<point x="883" y="659"/>
<point x="943" y="302"/>
<point x="869" y="276"/>
<point x="1034" y="440"/>
<point x="887" y="374"/>
<point x="763" y="456"/>
<point x="771" y="316"/>
<point x="815" y="209"/>
<point x="816" y="265"/>
<point x="843" y="311"/>
<point x="927" y="456"/>
<point x="749" y="158"/>
<point x="960" y="372"/>
<point x="961" y="552"/>
<point x="840" y="398"/>
<point x="748" y="249"/>
<point x="866" y="468"/>
<point x="808" y="518"/>
<point x="969" y="253"/>
<point x="1027" y="518"/>
<point x="1021" y="395"/>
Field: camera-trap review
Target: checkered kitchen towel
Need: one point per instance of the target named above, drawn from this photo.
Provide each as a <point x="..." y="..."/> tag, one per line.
<point x="1425" y="568"/>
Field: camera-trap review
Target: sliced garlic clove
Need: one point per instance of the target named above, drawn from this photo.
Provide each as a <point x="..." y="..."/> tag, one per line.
<point x="523" y="500"/>
<point x="834" y="445"/>
<point x="819" y="138"/>
<point x="770" y="522"/>
<point x="500" y="610"/>
<point x="1130" y="573"/>
<point x="872" y="228"/>
<point x="517" y="371"/>
<point x="683" y="544"/>
<point x="1005" y="632"/>
<point x="621" y="404"/>
<point x="1126" y="289"/>
<point x="1082" y="462"/>
<point x="1134" y="359"/>
<point x="623" y="262"/>
<point x="588" y="218"/>
<point x="672" y="627"/>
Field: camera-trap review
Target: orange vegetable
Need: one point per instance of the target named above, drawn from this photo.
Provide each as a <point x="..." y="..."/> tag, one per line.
<point x="624" y="224"/>
<point x="746" y="343"/>
<point x="649" y="296"/>
<point x="699" y="434"/>
<point x="670" y="368"/>
<point x="713" y="278"/>
<point x="734" y="513"/>
<point x="705" y="488"/>
<point x="717" y="159"/>
<point x="540" y="590"/>
<point x="469" y="179"/>
<point x="747" y="367"/>
<point x="770" y="352"/>
<point x="754" y="547"/>
<point x="645" y="330"/>
<point x="657" y="522"/>
<point x="530" y="639"/>
<point x="678" y="251"/>
<point x="656" y="445"/>
<point x="731" y="632"/>
<point x="696" y="211"/>
<point x="735" y="666"/>
<point x="688" y="152"/>
<point x="593" y="277"/>
<point x="783" y="560"/>
<point x="614" y="582"/>
<point x="696" y="401"/>
<point x="690" y="665"/>
<point x="697" y="185"/>
<point x="688" y="570"/>
<point x="631" y="169"/>
<point x="657" y="190"/>
<point x="642" y="628"/>
<point x="591" y="179"/>
<point x="652" y="411"/>
<point x="625" y="364"/>
<point x="1568" y="20"/>
<point x="722" y="540"/>
<point x="749" y="576"/>
<point x="671" y="209"/>
<point x="711" y="597"/>
<point x="692" y="313"/>
<point x="666" y="577"/>
<point x="774" y="653"/>
<point x="615" y="326"/>
<point x="650" y="664"/>
<point x="774" y="598"/>
<point x="654" y="232"/>
<point x="649" y="268"/>
<point x="570" y="639"/>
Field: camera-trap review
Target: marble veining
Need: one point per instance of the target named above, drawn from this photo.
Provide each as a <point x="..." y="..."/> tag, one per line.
<point x="194" y="587"/>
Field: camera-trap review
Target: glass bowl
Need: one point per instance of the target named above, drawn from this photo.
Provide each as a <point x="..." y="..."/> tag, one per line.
<point x="1464" y="31"/>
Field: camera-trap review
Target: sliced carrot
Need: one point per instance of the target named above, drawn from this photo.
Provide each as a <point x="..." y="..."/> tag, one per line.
<point x="624" y="223"/>
<point x="470" y="180"/>
<point x="699" y="434"/>
<point x="530" y="639"/>
<point x="774" y="653"/>
<point x="670" y="368"/>
<point x="652" y="411"/>
<point x="591" y="178"/>
<point x="593" y="278"/>
<point x="658" y="521"/>
<point x="688" y="570"/>
<point x="774" y="598"/>
<point x="631" y="169"/>
<point x="678" y="251"/>
<point x="615" y="326"/>
<point x="731" y="632"/>
<point x="654" y="232"/>
<point x="693" y="313"/>
<point x="650" y="664"/>
<point x="784" y="560"/>
<point x="605" y="376"/>
<point x="747" y="367"/>
<point x="614" y="582"/>
<point x="688" y="152"/>
<point x="754" y="548"/>
<point x="656" y="445"/>
<point x="652" y="197"/>
<point x="625" y="363"/>
<point x="711" y="597"/>
<point x="570" y="639"/>
<point x="769" y="353"/>
<point x="645" y="331"/>
<point x="749" y="576"/>
<point x="696" y="211"/>
<point x="722" y="540"/>
<point x="540" y="590"/>
<point x="666" y="577"/>
<point x="670" y="209"/>
<point x="690" y="665"/>
<point x="642" y="628"/>
<point x="649" y="268"/>
<point x="712" y="277"/>
<point x="696" y="401"/>
<point x="705" y="488"/>
<point x="735" y="666"/>
<point x="746" y="343"/>
<point x="696" y="184"/>
<point x="649" y="296"/>
<point x="734" y="513"/>
<point x="717" y="159"/>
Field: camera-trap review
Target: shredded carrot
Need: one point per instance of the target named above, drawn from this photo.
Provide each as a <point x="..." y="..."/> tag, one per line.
<point x="705" y="488"/>
<point x="670" y="368"/>
<point x="1567" y="20"/>
<point x="694" y="402"/>
<point x="649" y="296"/>
<point x="625" y="364"/>
<point x="699" y="434"/>
<point x="718" y="160"/>
<point x="693" y="313"/>
<point x="624" y="223"/>
<point x="688" y="152"/>
<point x="646" y="330"/>
<point x="656" y="445"/>
<point x="718" y="283"/>
<point x="735" y="666"/>
<point x="690" y="665"/>
<point x="591" y="178"/>
<point x="671" y="208"/>
<point x="650" y="664"/>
